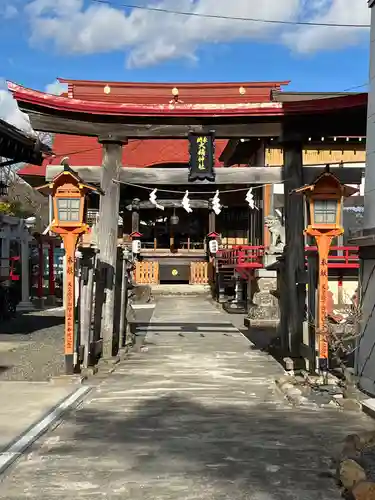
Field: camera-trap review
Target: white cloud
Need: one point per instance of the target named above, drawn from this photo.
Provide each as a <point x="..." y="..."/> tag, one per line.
<point x="315" y="38"/>
<point x="56" y="88"/>
<point x="10" y="112"/>
<point x="8" y="11"/>
<point x="152" y="37"/>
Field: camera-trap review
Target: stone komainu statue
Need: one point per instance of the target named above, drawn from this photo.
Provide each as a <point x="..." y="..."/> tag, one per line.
<point x="277" y="231"/>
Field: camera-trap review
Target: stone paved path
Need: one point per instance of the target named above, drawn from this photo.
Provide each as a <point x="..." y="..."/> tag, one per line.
<point x="193" y="416"/>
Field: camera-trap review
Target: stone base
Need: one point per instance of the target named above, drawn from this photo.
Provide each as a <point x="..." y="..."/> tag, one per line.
<point x="50" y="300"/>
<point x="222" y="299"/>
<point x="39" y="303"/>
<point x="235" y="307"/>
<point x="104" y="362"/>
<point x="264" y="311"/>
<point x="68" y="379"/>
<point x="90" y="371"/>
<point x="270" y="259"/>
<point x="25" y="307"/>
<point x="261" y="323"/>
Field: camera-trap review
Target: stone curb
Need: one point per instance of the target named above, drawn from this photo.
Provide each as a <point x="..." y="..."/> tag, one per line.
<point x="16" y="449"/>
<point x="351" y="475"/>
<point x="287" y="385"/>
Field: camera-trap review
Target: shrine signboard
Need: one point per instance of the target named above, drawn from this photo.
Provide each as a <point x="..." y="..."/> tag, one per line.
<point x="202" y="157"/>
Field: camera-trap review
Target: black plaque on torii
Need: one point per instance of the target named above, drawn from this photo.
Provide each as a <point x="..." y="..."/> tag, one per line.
<point x="202" y="157"/>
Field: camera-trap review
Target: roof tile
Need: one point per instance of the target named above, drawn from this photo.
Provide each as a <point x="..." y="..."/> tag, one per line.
<point x="86" y="151"/>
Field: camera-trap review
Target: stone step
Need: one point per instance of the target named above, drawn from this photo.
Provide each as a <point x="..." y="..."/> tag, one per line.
<point x="194" y="290"/>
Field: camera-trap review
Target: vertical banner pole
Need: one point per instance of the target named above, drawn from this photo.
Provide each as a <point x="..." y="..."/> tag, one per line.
<point x="323" y="243"/>
<point x="70" y="242"/>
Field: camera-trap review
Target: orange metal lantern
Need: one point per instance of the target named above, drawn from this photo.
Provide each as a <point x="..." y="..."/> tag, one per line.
<point x="324" y="197"/>
<point x="69" y="194"/>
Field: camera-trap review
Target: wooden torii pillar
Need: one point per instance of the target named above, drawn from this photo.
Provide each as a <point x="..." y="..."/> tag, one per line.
<point x="294" y="252"/>
<point x="107" y="240"/>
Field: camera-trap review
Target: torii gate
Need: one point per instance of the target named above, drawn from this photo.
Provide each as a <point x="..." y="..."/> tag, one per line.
<point x="167" y="112"/>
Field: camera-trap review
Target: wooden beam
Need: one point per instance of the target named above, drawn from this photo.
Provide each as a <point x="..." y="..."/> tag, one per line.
<point x="114" y="128"/>
<point x="177" y="176"/>
<point x="346" y="175"/>
<point x="346" y="123"/>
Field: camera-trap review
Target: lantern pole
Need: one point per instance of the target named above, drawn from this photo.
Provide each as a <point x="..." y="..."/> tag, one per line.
<point x="68" y="195"/>
<point x="70" y="242"/>
<point x="327" y="189"/>
<point x="323" y="242"/>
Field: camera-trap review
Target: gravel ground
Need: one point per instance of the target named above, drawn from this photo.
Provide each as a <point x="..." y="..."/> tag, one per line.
<point x="32" y="346"/>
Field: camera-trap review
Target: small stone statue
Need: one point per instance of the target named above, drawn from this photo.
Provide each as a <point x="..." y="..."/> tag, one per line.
<point x="277" y="231"/>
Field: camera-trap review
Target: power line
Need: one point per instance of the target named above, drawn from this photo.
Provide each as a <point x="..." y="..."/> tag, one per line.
<point x="356" y="87"/>
<point x="230" y="18"/>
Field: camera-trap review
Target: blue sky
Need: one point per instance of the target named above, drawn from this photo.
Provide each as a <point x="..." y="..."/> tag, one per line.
<point x="81" y="39"/>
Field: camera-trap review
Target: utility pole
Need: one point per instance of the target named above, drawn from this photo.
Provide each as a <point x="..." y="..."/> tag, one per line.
<point x="365" y="352"/>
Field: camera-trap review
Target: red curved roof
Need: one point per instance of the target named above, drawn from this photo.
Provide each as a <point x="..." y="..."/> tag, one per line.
<point x="162" y="93"/>
<point x="86" y="151"/>
<point x="169" y="109"/>
<point x="242" y="105"/>
<point x="139" y="100"/>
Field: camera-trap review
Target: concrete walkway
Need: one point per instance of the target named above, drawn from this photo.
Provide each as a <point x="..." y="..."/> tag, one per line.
<point x="194" y="415"/>
<point x="23" y="405"/>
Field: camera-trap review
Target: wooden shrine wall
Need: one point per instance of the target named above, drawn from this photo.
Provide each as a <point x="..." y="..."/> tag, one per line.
<point x="314" y="155"/>
<point x="147" y="273"/>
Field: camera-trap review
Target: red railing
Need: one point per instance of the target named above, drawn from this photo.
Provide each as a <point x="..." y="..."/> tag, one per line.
<point x="341" y="257"/>
<point x="251" y="257"/>
<point x="241" y="256"/>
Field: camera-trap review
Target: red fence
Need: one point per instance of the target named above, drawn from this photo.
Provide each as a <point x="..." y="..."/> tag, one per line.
<point x="251" y="257"/>
<point x="242" y="256"/>
<point x="11" y="276"/>
<point x="341" y="257"/>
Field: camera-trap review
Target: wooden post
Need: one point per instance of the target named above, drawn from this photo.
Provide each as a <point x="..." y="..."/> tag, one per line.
<point x="87" y="284"/>
<point x="211" y="218"/>
<point x="90" y="295"/>
<point x="41" y="270"/>
<point x="135" y="215"/>
<point x="295" y="240"/>
<point x="51" y="268"/>
<point x="266" y="205"/>
<point x="124" y="301"/>
<point x="108" y="231"/>
<point x="311" y="303"/>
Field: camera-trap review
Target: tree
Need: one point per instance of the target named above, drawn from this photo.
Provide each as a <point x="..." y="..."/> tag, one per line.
<point x="22" y="200"/>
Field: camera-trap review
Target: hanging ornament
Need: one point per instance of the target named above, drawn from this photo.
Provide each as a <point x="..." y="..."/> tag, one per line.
<point x="250" y="199"/>
<point x="154" y="200"/>
<point x="186" y="203"/>
<point x="216" y="205"/>
<point x="174" y="220"/>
